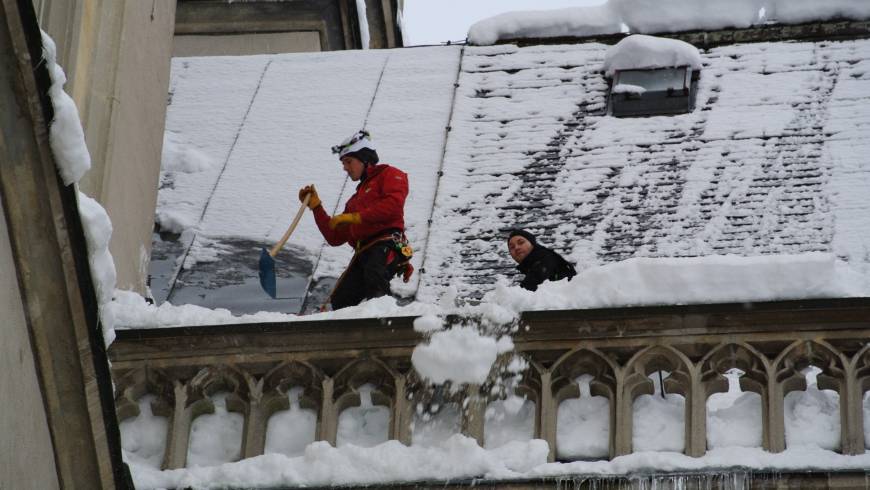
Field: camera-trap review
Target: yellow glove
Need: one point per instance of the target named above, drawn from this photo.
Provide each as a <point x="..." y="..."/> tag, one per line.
<point x="344" y="220"/>
<point x="315" y="199"/>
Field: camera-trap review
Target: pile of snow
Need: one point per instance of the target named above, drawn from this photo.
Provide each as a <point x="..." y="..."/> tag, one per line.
<point x="460" y="457"/>
<point x="324" y="465"/>
<point x="640" y="52"/>
<point x="633" y="282"/>
<point x="578" y="21"/>
<point x="692" y="280"/>
<point x="67" y="141"/>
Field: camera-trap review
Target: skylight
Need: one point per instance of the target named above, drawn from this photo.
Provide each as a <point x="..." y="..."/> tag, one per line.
<point x="650" y="92"/>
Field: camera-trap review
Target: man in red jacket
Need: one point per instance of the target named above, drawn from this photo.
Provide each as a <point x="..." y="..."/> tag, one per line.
<point x="373" y="223"/>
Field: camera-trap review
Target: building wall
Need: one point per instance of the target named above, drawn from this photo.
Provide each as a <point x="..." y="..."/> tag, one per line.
<point x="117" y="57"/>
<point x="246" y="44"/>
<point x="26" y="457"/>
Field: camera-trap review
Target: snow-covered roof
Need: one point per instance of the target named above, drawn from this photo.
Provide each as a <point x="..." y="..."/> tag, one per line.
<point x="772" y="161"/>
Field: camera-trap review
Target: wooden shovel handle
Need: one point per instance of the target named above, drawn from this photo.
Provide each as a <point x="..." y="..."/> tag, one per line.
<point x="295" y="222"/>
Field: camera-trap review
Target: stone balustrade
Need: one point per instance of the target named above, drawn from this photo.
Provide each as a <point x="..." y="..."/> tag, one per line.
<point x="772" y="343"/>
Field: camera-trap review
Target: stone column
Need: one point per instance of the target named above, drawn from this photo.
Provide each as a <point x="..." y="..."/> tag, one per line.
<point x="696" y="416"/>
<point x="473" y="414"/>
<point x="774" y="416"/>
<point x="256" y="418"/>
<point x="547" y="414"/>
<point x="178" y="437"/>
<point x="851" y="414"/>
<point x="328" y="417"/>
<point x="623" y="435"/>
<point x="400" y="429"/>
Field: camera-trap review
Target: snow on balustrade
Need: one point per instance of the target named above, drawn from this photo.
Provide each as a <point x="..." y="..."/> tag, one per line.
<point x="512" y="419"/>
<point x="216" y="437"/>
<point x="290" y="431"/>
<point x="734" y="418"/>
<point x="812" y="416"/>
<point x="511" y="444"/>
<point x="583" y="430"/>
<point x="143" y="437"/>
<point x="866" y="405"/>
<point x="659" y="419"/>
<point x="365" y="425"/>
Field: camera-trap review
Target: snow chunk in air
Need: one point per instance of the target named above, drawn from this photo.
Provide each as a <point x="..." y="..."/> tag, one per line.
<point x="639" y="52"/>
<point x="579" y="21"/>
<point x="460" y="354"/>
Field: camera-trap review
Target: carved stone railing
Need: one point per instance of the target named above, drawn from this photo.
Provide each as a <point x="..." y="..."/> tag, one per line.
<point x="257" y="363"/>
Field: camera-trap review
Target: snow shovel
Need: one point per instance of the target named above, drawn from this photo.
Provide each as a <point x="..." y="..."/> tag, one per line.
<point x="267" y="257"/>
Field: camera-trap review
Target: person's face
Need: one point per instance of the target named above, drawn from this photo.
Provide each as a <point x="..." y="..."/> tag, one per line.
<point x="353" y="166"/>
<point x="519" y="248"/>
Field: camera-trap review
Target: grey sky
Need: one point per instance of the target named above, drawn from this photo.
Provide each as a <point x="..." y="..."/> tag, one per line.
<point x="437" y="21"/>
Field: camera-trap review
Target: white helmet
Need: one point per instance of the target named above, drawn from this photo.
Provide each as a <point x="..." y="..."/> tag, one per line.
<point x="359" y="140"/>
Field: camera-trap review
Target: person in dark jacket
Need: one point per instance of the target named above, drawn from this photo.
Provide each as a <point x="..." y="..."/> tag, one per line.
<point x="536" y="261"/>
<point x="372" y="222"/>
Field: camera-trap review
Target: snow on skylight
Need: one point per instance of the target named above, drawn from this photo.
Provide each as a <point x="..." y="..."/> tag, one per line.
<point x="639" y="52"/>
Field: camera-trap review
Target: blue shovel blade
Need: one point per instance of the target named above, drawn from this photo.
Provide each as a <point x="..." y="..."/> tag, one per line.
<point x="267" y="273"/>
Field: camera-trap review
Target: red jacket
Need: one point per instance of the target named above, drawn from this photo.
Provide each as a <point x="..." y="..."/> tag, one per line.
<point x="380" y="202"/>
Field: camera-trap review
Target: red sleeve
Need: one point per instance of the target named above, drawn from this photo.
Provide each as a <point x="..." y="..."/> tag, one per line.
<point x="333" y="237"/>
<point x="390" y="208"/>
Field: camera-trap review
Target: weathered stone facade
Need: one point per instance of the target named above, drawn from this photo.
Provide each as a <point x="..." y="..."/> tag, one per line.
<point x="771" y="342"/>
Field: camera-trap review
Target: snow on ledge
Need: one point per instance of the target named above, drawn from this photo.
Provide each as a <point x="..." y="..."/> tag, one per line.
<point x="625" y="88"/>
<point x="693" y="280"/>
<point x="640" y="52"/>
<point x="800" y="11"/>
<point x="633" y="282"/>
<point x="651" y="16"/>
<point x="654" y="16"/>
<point x="67" y="140"/>
<point x="578" y="21"/>
<point x="460" y="457"/>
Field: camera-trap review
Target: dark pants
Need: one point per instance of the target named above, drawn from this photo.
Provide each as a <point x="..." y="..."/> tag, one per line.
<point x="368" y="277"/>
